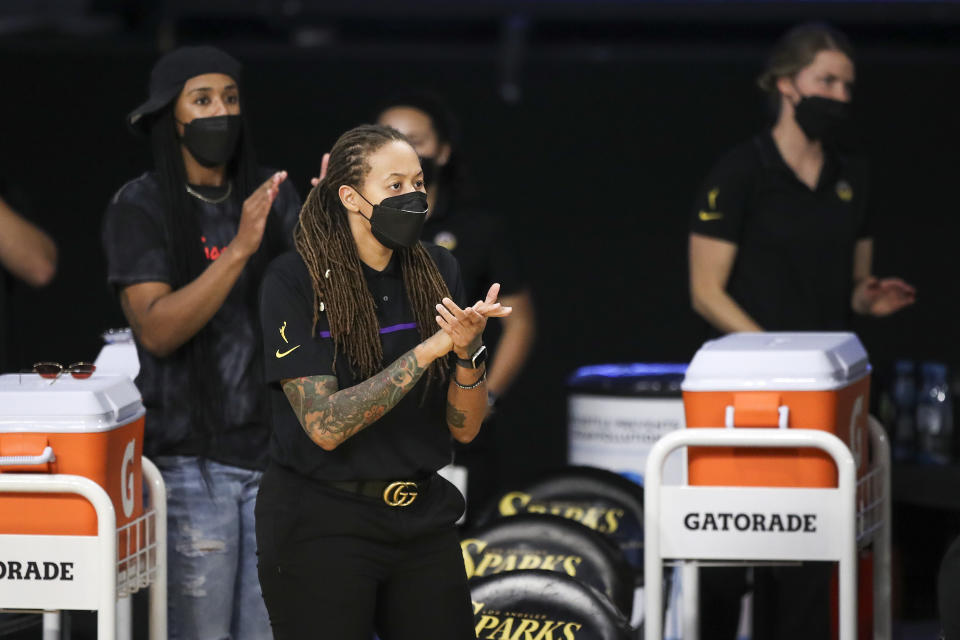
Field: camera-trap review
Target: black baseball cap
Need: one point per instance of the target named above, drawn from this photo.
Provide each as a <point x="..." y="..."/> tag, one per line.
<point x="172" y="71"/>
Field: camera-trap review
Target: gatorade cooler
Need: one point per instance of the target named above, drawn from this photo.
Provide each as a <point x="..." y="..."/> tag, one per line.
<point x="91" y="428"/>
<point x="781" y="380"/>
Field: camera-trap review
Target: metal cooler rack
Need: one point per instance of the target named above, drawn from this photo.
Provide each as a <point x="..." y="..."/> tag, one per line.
<point x="853" y="515"/>
<point x="105" y="568"/>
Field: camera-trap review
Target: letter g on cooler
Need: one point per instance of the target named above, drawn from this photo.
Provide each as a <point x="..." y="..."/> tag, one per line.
<point x="127" y="481"/>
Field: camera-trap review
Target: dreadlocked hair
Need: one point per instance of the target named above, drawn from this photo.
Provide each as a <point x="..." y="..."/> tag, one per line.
<point x="183" y="237"/>
<point x="324" y="241"/>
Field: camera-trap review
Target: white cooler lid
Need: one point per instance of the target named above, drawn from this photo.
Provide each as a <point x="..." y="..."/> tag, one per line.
<point x="778" y="361"/>
<point x="28" y="403"/>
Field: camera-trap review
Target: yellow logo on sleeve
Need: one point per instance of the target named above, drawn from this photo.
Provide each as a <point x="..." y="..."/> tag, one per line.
<point x="283" y="330"/>
<point x="713" y="214"/>
<point x="712" y="197"/>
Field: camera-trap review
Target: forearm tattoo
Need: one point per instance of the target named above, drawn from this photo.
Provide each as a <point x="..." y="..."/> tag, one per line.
<point x="455" y="417"/>
<point x="329" y="416"/>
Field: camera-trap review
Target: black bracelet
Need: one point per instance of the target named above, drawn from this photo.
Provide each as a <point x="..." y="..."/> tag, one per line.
<point x="467" y="387"/>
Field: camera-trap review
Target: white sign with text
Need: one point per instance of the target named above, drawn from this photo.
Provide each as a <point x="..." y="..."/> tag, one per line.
<point x="753" y="523"/>
<point x="617" y="433"/>
<point x="51" y="572"/>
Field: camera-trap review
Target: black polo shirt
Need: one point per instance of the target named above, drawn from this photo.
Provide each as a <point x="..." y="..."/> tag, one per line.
<point x="412" y="439"/>
<point x="794" y="265"/>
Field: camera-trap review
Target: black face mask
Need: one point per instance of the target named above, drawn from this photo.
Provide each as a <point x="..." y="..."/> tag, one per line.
<point x="822" y="118"/>
<point x="213" y="140"/>
<point x="397" y="221"/>
<point x="431" y="170"/>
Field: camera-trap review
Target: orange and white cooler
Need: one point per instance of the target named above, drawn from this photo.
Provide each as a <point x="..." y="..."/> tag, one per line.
<point x="777" y="380"/>
<point x="91" y="428"/>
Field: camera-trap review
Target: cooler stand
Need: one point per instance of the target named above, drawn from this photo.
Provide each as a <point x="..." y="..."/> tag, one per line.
<point x="829" y="523"/>
<point x="98" y="571"/>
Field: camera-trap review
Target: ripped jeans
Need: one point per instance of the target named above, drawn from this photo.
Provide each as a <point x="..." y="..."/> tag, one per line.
<point x="213" y="590"/>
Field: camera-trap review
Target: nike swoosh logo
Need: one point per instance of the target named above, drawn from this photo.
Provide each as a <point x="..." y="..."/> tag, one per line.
<point x="706" y="216"/>
<point x="288" y="352"/>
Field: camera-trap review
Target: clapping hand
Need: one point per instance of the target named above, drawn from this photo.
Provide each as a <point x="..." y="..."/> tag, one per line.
<point x="253" y="217"/>
<point x="465" y="326"/>
<point x="881" y="297"/>
<point x="489" y="307"/>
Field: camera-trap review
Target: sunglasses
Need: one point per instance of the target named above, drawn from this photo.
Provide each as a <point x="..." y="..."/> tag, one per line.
<point x="53" y="370"/>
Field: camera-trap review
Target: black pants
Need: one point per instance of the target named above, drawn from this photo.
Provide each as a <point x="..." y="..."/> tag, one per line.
<point x="338" y="565"/>
<point x="789" y="603"/>
<point x="721" y="589"/>
<point x="792" y="603"/>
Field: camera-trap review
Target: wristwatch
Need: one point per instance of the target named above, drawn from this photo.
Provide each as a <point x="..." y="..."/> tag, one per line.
<point x="476" y="359"/>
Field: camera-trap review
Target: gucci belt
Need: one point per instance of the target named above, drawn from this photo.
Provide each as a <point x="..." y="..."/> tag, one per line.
<point x="394" y="493"/>
<point x="400" y="493"/>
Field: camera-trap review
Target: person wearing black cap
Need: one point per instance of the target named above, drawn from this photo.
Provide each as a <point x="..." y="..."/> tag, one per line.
<point x="355" y="528"/>
<point x="186" y="245"/>
<point x="781" y="240"/>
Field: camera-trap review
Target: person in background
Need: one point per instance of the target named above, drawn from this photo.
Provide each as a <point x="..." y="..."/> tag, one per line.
<point x="780" y="240"/>
<point x="781" y="236"/>
<point x="27" y="254"/>
<point x="355" y="528"/>
<point x="486" y="253"/>
<point x="187" y="245"/>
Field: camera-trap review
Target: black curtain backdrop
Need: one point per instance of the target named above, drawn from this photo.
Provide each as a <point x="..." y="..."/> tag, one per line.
<point x="594" y="170"/>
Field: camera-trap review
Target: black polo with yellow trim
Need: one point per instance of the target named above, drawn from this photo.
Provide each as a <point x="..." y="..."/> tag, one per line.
<point x="794" y="264"/>
<point x="411" y="439"/>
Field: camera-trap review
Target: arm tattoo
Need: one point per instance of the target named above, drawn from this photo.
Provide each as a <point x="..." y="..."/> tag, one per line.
<point x="456" y="418"/>
<point x="329" y="416"/>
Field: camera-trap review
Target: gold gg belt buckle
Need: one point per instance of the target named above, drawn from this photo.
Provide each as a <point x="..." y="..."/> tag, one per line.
<point x="400" y="493"/>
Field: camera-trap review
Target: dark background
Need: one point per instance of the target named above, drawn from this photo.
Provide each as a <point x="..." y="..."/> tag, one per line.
<point x="587" y="127"/>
